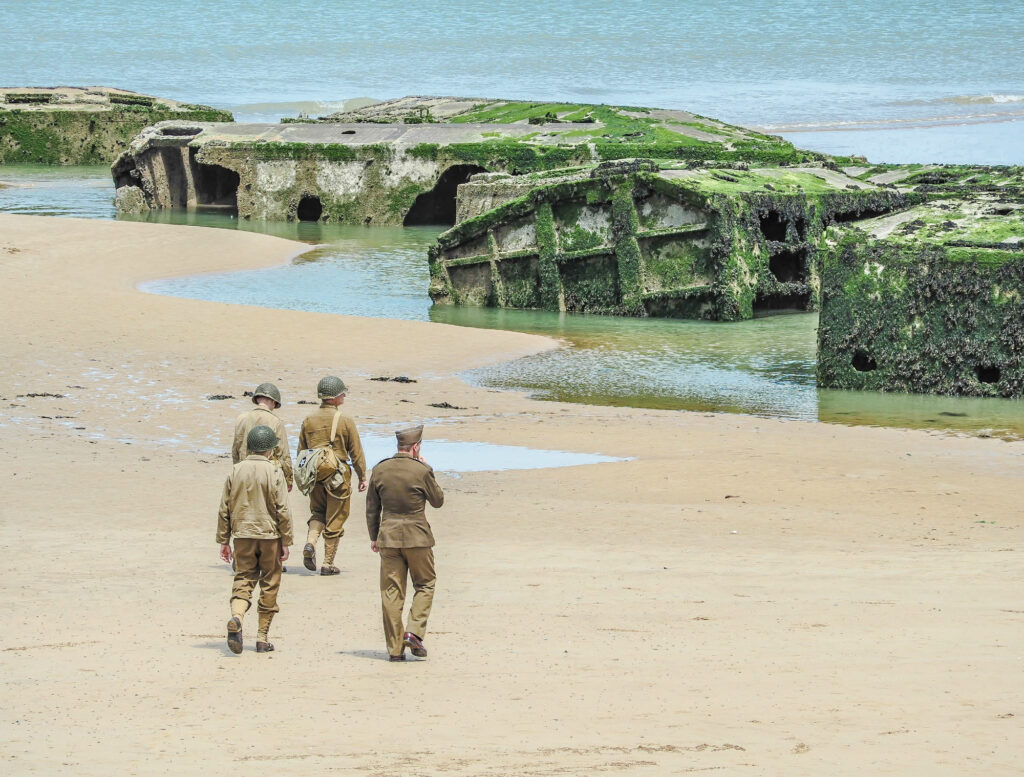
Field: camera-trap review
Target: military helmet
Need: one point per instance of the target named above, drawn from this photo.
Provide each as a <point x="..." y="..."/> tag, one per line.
<point x="260" y="438"/>
<point x="330" y="387"/>
<point x="268" y="390"/>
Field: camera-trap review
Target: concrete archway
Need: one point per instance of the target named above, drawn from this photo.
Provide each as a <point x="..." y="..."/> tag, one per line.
<point x="310" y="208"/>
<point x="437" y="207"/>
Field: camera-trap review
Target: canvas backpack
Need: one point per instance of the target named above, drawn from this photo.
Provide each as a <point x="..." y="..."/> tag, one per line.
<point x="321" y="465"/>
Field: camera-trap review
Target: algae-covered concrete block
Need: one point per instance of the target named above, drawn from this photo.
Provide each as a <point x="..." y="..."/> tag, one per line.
<point x="641" y="238"/>
<point x="928" y="300"/>
<point x="82" y="126"/>
<point x="402" y="162"/>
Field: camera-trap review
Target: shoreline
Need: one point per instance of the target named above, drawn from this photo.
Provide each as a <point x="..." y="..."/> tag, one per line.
<point x="746" y="594"/>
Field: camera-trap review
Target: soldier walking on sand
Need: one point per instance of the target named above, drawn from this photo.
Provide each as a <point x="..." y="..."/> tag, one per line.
<point x="399" y="489"/>
<point x="267" y="399"/>
<point x="329" y="501"/>
<point x="254" y="511"/>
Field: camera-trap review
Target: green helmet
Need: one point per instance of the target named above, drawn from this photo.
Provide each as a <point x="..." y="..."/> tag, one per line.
<point x="268" y="390"/>
<point x="330" y="387"/>
<point x="260" y="438"/>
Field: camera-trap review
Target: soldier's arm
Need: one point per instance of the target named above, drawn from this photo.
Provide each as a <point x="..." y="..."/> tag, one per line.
<point x="373" y="510"/>
<point x="432" y="490"/>
<point x="355" y="449"/>
<point x="224" y="515"/>
<point x="302" y="437"/>
<point x="284" y="453"/>
<point x="236" y="445"/>
<point x="281" y="509"/>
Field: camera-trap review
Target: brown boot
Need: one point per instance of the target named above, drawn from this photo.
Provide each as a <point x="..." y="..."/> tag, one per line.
<point x="235" y="634"/>
<point x="330" y="550"/>
<point x="264" y="647"/>
<point x="309" y="557"/>
<point x="263" y="633"/>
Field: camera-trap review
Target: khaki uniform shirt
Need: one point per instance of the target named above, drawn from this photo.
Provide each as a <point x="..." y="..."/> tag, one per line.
<point x="254" y="504"/>
<point x="399" y="489"/>
<point x="282" y="455"/>
<point x="316" y="432"/>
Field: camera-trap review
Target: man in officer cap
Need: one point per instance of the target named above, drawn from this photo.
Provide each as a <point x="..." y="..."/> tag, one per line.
<point x="399" y="489"/>
<point x="327" y="427"/>
<point x="254" y="511"/>
<point x="267" y="399"/>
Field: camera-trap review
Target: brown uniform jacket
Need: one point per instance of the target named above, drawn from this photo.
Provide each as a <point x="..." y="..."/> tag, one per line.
<point x="244" y="424"/>
<point x="254" y="504"/>
<point x="399" y="489"/>
<point x="316" y="431"/>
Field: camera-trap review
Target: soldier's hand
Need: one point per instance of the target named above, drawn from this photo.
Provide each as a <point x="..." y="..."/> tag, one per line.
<point x="362" y="485"/>
<point x="373" y="547"/>
<point x="289" y="487"/>
<point x="284" y="553"/>
<point x="225" y="554"/>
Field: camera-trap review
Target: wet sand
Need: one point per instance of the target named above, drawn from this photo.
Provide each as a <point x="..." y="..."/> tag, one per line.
<point x="745" y="595"/>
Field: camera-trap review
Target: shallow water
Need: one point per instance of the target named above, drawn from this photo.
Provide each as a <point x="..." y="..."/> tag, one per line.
<point x="458" y="457"/>
<point x="82" y="192"/>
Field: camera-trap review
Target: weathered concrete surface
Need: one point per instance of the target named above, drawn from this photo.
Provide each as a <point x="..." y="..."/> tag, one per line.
<point x="357" y="173"/>
<point x="81" y="125"/>
<point x="927" y="300"/>
<point x="637" y="238"/>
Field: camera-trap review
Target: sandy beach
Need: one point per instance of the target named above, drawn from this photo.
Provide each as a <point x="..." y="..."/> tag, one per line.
<point x="743" y="595"/>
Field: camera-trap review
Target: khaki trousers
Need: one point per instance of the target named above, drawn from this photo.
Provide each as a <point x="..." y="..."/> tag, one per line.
<point x="257" y="561"/>
<point x="329" y="510"/>
<point x="396" y="564"/>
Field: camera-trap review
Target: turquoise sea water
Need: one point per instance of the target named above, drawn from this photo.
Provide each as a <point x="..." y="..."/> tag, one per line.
<point x="828" y="74"/>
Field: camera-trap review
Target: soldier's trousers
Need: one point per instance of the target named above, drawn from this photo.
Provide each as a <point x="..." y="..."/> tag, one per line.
<point x="257" y="561"/>
<point x="396" y="565"/>
<point x="329" y="510"/>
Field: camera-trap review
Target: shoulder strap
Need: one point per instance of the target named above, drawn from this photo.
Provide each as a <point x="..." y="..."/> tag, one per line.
<point x="334" y="425"/>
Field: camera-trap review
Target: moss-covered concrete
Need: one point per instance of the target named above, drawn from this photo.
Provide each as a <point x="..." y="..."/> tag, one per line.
<point x="930" y="299"/>
<point x="639" y="238"/>
<point x="78" y="126"/>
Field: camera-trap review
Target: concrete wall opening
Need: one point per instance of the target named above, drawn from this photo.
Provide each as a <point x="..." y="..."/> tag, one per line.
<point x="437" y="207"/>
<point x="216" y="187"/>
<point x="788" y="266"/>
<point x="987" y="373"/>
<point x="180" y="132"/>
<point x="773" y="226"/>
<point x="769" y="303"/>
<point x="862" y="361"/>
<point x="310" y="208"/>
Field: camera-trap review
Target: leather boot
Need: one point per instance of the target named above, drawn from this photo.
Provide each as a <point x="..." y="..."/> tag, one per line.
<point x="330" y="549"/>
<point x="262" y="635"/>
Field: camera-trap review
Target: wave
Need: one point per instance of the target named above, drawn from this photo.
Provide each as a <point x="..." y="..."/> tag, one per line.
<point x="961" y="119"/>
<point x="967" y="99"/>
